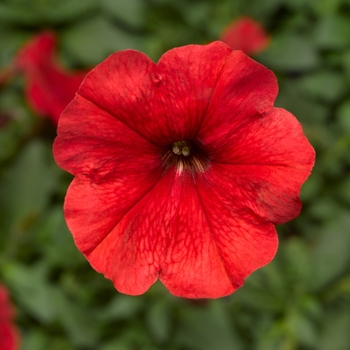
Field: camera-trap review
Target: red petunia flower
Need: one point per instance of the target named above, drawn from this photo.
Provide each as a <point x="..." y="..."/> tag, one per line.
<point x="182" y="169"/>
<point x="49" y="87"/>
<point x="9" y="337"/>
<point x="247" y="35"/>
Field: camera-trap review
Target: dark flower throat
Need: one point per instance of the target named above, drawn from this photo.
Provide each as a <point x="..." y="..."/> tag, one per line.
<point x="186" y="156"/>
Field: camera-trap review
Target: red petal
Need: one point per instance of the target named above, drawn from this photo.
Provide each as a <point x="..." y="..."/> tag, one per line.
<point x="98" y="216"/>
<point x="6" y="310"/>
<point x="244" y="243"/>
<point x="191" y="266"/>
<point x="247" y="35"/>
<point x="262" y="167"/>
<point x="199" y="252"/>
<point x="9" y="337"/>
<point x="93" y="209"/>
<point x="49" y="88"/>
<point x="92" y="142"/>
<point x="191" y="74"/>
<point x="164" y="102"/>
<point x="127" y="238"/>
<point x="244" y="90"/>
<point x="212" y="248"/>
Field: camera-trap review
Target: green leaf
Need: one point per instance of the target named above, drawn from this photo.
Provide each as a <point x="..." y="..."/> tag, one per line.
<point x="264" y="290"/>
<point x="35" y="339"/>
<point x="303" y="329"/>
<point x="308" y="112"/>
<point x="18" y="125"/>
<point x="122" y="307"/>
<point x="326" y="208"/>
<point x="18" y="14"/>
<point x="343" y="116"/>
<point x="345" y="58"/>
<point x="298" y="268"/>
<point x="327" y="7"/>
<point x="60" y="11"/>
<point x="258" y="299"/>
<point x="317" y="85"/>
<point x="133" y="337"/>
<point x="38" y="13"/>
<point x="332" y="32"/>
<point x="159" y="320"/>
<point x="78" y="322"/>
<point x="330" y="255"/>
<point x="95" y="39"/>
<point x="289" y="52"/>
<point x="116" y="344"/>
<point x="343" y="190"/>
<point x="312" y="187"/>
<point x="38" y="340"/>
<point x="11" y="40"/>
<point x="198" y="13"/>
<point x="335" y="330"/>
<point x="300" y="5"/>
<point x="274" y="338"/>
<point x="131" y="12"/>
<point x="207" y="328"/>
<point x="26" y="187"/>
<point x="260" y="10"/>
<point x="52" y="234"/>
<point x="31" y="289"/>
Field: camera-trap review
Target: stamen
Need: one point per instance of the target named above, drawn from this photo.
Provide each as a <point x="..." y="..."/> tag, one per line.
<point x="176" y="150"/>
<point x="186" y="151"/>
<point x="182" y="147"/>
<point x="186" y="156"/>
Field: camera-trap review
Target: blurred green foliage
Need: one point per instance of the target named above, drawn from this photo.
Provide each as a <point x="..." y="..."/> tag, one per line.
<point x="299" y="301"/>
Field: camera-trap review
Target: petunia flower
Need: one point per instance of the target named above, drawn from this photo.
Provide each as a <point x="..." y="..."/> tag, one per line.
<point x="9" y="337"/>
<point x="247" y="35"/>
<point x="49" y="87"/>
<point x="182" y="169"/>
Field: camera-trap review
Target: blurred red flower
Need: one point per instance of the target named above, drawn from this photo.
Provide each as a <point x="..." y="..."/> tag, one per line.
<point x="9" y="337"/>
<point x="247" y="35"/>
<point x="49" y="87"/>
<point x="182" y="169"/>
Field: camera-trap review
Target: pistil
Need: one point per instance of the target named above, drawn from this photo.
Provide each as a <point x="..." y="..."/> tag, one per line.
<point x="182" y="148"/>
<point x="186" y="156"/>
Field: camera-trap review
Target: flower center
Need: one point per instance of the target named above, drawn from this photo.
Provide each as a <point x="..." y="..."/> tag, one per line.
<point x="182" y="147"/>
<point x="186" y="156"/>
